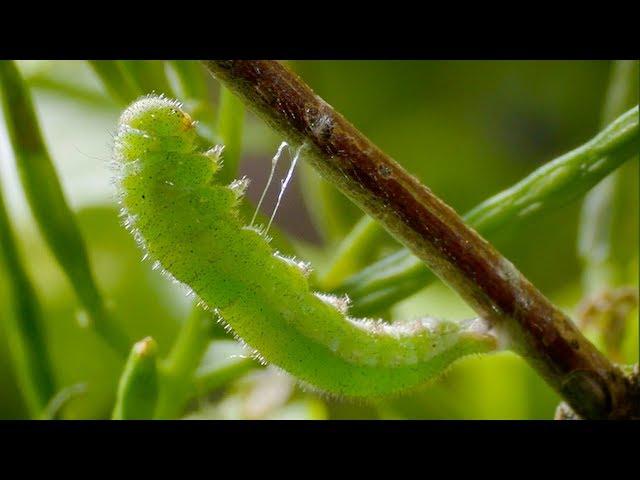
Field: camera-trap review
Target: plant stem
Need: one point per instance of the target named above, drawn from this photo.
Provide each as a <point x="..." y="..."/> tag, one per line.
<point x="116" y="80"/>
<point x="48" y="204"/>
<point x="551" y="186"/>
<point x="229" y="129"/>
<point x="192" y="341"/>
<point x="224" y="362"/>
<point x="606" y="241"/>
<point x="150" y="76"/>
<point x="192" y="79"/>
<point x="60" y="399"/>
<point x="434" y="232"/>
<point x="24" y="326"/>
<point x="354" y="251"/>
<point x="181" y="363"/>
<point x="595" y="236"/>
<point x="214" y="379"/>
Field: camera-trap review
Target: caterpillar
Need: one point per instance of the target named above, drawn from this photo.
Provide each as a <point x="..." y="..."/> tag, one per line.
<point x="192" y="228"/>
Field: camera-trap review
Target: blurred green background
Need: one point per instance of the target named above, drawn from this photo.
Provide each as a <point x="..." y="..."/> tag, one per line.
<point x="467" y="129"/>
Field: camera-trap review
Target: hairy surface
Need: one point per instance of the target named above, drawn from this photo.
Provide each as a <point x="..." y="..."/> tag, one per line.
<point x="190" y="225"/>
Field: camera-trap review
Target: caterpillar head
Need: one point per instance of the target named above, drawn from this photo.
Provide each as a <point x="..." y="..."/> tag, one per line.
<point x="157" y="116"/>
<point x="157" y="137"/>
<point x="154" y="123"/>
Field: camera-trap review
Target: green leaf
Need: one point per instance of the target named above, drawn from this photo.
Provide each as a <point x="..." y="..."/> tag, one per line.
<point x="138" y="386"/>
<point x="24" y="326"/>
<point x="48" y="204"/>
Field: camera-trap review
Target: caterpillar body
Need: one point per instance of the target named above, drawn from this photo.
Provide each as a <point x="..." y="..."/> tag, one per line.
<point x="191" y="225"/>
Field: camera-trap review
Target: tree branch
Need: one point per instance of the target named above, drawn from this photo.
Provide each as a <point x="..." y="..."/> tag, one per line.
<point x="553" y="185"/>
<point x="434" y="232"/>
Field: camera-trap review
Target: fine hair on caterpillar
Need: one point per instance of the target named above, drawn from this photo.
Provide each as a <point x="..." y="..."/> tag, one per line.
<point x="191" y="226"/>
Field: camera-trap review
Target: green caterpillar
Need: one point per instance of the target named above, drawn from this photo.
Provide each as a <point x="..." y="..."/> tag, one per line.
<point x="191" y="226"/>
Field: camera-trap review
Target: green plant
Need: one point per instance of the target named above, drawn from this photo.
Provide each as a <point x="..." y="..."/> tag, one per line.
<point x="554" y="184"/>
<point x="155" y="384"/>
<point x="48" y="203"/>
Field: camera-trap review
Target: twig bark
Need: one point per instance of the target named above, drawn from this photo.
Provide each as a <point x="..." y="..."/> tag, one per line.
<point x="434" y="232"/>
<point x="553" y="185"/>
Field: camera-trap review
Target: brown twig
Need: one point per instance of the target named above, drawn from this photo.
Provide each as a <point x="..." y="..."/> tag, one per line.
<point x="434" y="232"/>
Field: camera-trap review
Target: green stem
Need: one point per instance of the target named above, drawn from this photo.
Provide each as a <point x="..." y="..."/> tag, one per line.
<point x="25" y="326"/>
<point x="48" y="204"/>
<point x="150" y="76"/>
<point x="357" y="248"/>
<point x="216" y="378"/>
<point x="229" y="129"/>
<point x="116" y="80"/>
<point x="224" y="361"/>
<point x="182" y="362"/>
<point x="60" y="399"/>
<point x="322" y="195"/>
<point x="553" y="185"/>
<point x="138" y="386"/>
<point x="192" y="341"/>
<point x="192" y="79"/>
<point x="601" y="265"/>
